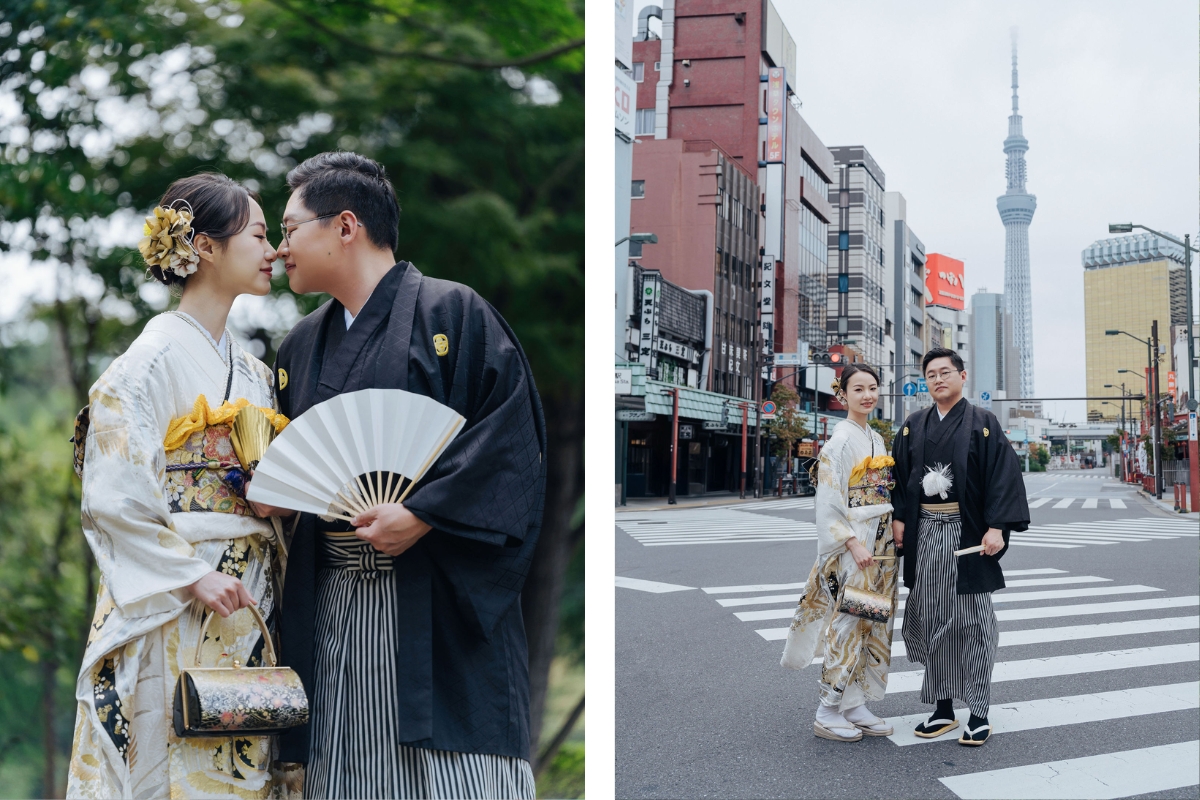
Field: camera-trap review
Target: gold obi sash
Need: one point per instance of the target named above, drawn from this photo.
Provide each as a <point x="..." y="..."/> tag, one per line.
<point x="203" y="471"/>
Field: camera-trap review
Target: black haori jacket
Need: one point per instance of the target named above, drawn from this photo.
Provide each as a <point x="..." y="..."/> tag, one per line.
<point x="991" y="492"/>
<point x="461" y="652"/>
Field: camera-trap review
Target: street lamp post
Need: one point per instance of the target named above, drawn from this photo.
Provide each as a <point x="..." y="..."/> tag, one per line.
<point x="1152" y="390"/>
<point x="1186" y="244"/>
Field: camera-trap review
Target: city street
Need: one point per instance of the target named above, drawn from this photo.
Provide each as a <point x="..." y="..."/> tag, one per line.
<point x="1095" y="691"/>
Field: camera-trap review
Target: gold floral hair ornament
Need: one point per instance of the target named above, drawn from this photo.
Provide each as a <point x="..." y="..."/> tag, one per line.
<point x="167" y="240"/>
<point x="836" y="386"/>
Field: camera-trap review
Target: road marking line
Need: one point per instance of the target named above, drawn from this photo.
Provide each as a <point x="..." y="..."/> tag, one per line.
<point x="1056" y="581"/>
<point x="1041" y="501"/>
<point x="752" y="601"/>
<point x="761" y="587"/>
<point x="1090" y="502"/>
<point x="1053" y="712"/>
<point x="1060" y="594"/>
<point x="1115" y="503"/>
<point x="1019" y="543"/>
<point x="650" y="586"/>
<point x="1102" y="777"/>
<point x="1064" y="503"/>
<point x="738" y="540"/>
<point x="1077" y="664"/>
<point x="1042" y="571"/>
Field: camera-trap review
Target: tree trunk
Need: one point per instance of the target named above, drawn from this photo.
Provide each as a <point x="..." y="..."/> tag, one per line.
<point x="49" y="717"/>
<point x="543" y="589"/>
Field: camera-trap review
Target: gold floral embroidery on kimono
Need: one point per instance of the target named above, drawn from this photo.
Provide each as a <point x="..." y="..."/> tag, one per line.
<point x="147" y="463"/>
<point x="853" y="501"/>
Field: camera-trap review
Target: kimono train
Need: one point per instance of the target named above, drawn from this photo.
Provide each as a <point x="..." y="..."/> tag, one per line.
<point x="163" y="505"/>
<point x="853" y="483"/>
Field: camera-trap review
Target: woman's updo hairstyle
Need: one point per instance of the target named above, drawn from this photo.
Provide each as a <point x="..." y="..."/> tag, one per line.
<point x="220" y="210"/>
<point x="853" y="369"/>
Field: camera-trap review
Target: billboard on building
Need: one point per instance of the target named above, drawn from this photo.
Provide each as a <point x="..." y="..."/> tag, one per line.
<point x="624" y="26"/>
<point x="776" y="114"/>
<point x="944" y="282"/>
<point x="625" y="105"/>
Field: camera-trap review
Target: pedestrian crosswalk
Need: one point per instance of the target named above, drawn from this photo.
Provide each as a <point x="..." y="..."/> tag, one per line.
<point x="712" y="526"/>
<point x="1105" y="531"/>
<point x="1077" y="502"/>
<point x="737" y="526"/>
<point x="1130" y="632"/>
<point x="778" y="504"/>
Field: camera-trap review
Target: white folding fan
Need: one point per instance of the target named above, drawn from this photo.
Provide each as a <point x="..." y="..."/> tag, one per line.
<point x="344" y="454"/>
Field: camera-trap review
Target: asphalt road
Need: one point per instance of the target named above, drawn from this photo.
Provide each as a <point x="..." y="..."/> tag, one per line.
<point x="1095" y="693"/>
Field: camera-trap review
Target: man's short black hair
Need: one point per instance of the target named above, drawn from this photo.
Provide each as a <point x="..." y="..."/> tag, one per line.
<point x="940" y="352"/>
<point x="330" y="183"/>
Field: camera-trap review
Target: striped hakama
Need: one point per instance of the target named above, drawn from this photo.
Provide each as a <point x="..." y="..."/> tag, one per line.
<point x="954" y="635"/>
<point x="355" y="748"/>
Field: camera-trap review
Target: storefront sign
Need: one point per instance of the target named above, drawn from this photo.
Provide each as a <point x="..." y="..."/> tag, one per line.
<point x="650" y="298"/>
<point x="624" y="380"/>
<point x="776" y="114"/>
<point x="626" y="415"/>
<point x="625" y="96"/>
<point x="716" y="426"/>
<point x="680" y="351"/>
<point x="686" y="431"/>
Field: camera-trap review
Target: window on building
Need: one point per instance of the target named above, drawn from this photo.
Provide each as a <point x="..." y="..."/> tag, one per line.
<point x="639" y="71"/>
<point x="658" y="66"/>
<point x="843" y="240"/>
<point x="638" y="189"/>
<point x="643" y="121"/>
<point x="887" y="330"/>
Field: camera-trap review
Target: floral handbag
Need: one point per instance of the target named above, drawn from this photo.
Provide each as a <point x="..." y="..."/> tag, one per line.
<point x="865" y="604"/>
<point x="214" y="701"/>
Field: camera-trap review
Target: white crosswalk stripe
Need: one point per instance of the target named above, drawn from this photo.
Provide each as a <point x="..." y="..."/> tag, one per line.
<point x="778" y="503"/>
<point x="1100" y="777"/>
<point x="737" y="526"/>
<point x="1085" y="502"/>
<point x="711" y="526"/>
<point x="1101" y="532"/>
<point x="1119" y="645"/>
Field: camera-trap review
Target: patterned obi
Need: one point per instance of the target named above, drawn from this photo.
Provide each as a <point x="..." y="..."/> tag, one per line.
<point x="343" y="550"/>
<point x="204" y="474"/>
<point x="874" y="489"/>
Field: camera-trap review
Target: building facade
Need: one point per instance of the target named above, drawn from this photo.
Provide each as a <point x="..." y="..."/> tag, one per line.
<point x="699" y="202"/>
<point x="1016" y="207"/>
<point x="855" y="304"/>
<point x="1128" y="282"/>
<point x="945" y="306"/>
<point x="994" y="364"/>
<point x="904" y="260"/>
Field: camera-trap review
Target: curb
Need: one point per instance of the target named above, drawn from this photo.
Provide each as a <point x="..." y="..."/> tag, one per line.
<point x="1166" y="507"/>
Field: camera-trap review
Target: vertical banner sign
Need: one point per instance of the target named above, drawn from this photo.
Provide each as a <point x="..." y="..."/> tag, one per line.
<point x="648" y="350"/>
<point x="766" y="314"/>
<point x="776" y="116"/>
<point x="1171" y="387"/>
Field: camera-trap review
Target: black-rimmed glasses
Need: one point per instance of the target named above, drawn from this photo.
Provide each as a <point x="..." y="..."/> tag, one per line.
<point x="284" y="227"/>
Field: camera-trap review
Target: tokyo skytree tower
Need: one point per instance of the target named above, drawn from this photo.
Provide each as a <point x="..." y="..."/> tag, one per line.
<point x="1016" y="208"/>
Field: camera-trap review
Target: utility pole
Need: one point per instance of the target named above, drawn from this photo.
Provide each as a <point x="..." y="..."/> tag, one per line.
<point x="1158" y="477"/>
<point x="745" y="424"/>
<point x="758" y="380"/>
<point x="1187" y="265"/>
<point x="674" y="445"/>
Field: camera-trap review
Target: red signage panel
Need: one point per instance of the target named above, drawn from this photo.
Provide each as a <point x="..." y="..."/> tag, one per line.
<point x="944" y="282"/>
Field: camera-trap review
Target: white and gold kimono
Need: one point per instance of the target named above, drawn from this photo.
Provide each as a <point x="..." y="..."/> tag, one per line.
<point x="163" y="505"/>
<point x="853" y="501"/>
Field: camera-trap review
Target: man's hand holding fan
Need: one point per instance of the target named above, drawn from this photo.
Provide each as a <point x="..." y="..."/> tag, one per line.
<point x="355" y="457"/>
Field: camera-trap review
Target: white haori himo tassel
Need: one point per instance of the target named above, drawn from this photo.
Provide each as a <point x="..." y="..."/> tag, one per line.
<point x="938" y="480"/>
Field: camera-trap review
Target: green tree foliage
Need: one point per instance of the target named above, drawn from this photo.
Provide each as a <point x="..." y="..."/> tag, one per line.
<point x="475" y="108"/>
<point x="884" y="428"/>
<point x="788" y="426"/>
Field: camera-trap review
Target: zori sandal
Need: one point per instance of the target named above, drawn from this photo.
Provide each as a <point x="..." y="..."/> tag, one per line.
<point x="874" y="727"/>
<point x="828" y="732"/>
<point x="931" y="729"/>
<point x="975" y="737"/>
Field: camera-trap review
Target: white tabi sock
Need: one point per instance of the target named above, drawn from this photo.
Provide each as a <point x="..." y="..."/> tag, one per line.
<point x="829" y="717"/>
<point x="862" y="716"/>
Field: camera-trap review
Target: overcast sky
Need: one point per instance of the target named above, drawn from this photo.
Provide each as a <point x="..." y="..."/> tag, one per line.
<point x="1109" y="99"/>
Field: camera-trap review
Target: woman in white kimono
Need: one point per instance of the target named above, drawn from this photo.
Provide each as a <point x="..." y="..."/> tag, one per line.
<point x="853" y="527"/>
<point x="165" y="514"/>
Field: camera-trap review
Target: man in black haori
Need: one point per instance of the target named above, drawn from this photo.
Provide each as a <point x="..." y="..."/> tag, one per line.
<point x="409" y="638"/>
<point x="958" y="486"/>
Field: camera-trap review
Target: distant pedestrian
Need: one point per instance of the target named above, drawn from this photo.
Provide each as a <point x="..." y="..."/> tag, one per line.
<point x="958" y="485"/>
<point x="854" y="551"/>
